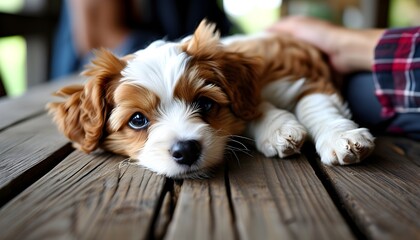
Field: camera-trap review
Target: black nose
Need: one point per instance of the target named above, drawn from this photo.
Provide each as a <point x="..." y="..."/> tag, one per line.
<point x="186" y="152"/>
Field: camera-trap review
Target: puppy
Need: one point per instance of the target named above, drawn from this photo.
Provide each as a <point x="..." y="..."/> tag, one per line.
<point x="174" y="105"/>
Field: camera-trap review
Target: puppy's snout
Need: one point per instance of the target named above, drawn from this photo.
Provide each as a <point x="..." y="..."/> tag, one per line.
<point x="186" y="152"/>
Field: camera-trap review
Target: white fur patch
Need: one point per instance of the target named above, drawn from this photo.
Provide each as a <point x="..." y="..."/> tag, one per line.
<point x="338" y="140"/>
<point x="283" y="92"/>
<point x="277" y="132"/>
<point x="157" y="68"/>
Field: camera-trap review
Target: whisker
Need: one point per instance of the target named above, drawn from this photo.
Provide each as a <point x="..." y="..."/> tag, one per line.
<point x="240" y="143"/>
<point x="127" y="162"/>
<point x="243" y="137"/>
<point x="241" y="148"/>
<point x="244" y="151"/>
<point x="236" y="156"/>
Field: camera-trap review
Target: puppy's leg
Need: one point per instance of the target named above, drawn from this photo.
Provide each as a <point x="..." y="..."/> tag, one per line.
<point x="338" y="140"/>
<point x="276" y="132"/>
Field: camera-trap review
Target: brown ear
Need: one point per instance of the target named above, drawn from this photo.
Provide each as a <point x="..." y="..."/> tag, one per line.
<point x="82" y="116"/>
<point x="241" y="84"/>
<point x="205" y="42"/>
<point x="240" y="73"/>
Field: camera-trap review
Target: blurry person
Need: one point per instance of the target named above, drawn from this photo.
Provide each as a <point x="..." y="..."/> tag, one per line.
<point x="124" y="26"/>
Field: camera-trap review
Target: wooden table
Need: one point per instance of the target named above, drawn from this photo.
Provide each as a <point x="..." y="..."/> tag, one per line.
<point x="50" y="191"/>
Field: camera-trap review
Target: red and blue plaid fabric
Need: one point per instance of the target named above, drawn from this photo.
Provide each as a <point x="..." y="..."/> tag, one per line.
<point x="397" y="71"/>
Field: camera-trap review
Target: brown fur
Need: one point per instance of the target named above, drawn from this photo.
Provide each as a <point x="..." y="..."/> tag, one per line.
<point x="129" y="98"/>
<point x="83" y="115"/>
<point x="234" y="72"/>
<point x="255" y="62"/>
<point x="232" y="76"/>
<point x="284" y="56"/>
<point x="197" y="82"/>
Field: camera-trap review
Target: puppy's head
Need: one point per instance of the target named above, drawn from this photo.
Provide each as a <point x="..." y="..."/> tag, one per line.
<point x="172" y="107"/>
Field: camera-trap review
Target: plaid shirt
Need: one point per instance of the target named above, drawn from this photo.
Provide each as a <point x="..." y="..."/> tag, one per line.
<point x="397" y="71"/>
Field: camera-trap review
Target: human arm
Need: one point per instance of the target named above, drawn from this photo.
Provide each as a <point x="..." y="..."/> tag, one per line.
<point x="349" y="50"/>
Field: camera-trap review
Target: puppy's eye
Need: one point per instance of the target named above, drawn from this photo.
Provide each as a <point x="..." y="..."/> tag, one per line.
<point x="138" y="121"/>
<point x="205" y="104"/>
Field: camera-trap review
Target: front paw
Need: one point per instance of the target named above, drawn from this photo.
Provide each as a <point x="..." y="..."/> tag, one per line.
<point x="283" y="140"/>
<point x="345" y="148"/>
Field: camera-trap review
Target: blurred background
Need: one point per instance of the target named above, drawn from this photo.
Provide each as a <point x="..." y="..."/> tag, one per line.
<point x="30" y="29"/>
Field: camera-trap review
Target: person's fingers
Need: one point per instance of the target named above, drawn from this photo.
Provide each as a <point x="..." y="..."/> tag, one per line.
<point x="286" y="24"/>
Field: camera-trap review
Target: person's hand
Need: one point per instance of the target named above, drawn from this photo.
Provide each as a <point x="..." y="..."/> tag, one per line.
<point x="97" y="23"/>
<point x="349" y="50"/>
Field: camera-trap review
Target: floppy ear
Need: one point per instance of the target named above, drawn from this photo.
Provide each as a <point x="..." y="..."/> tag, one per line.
<point x="241" y="84"/>
<point x="236" y="73"/>
<point x="83" y="114"/>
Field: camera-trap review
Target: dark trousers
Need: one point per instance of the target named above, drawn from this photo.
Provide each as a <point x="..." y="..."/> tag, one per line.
<point x="359" y="92"/>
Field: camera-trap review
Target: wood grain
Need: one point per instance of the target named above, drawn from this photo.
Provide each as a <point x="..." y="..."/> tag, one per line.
<point x="202" y="211"/>
<point x="100" y="196"/>
<point x="85" y="197"/>
<point x="164" y="216"/>
<point x="275" y="199"/>
<point x="27" y="150"/>
<point x="382" y="194"/>
<point x="14" y="110"/>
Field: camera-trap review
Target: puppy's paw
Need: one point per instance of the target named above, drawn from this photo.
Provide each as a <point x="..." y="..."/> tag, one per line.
<point x="282" y="139"/>
<point x="346" y="148"/>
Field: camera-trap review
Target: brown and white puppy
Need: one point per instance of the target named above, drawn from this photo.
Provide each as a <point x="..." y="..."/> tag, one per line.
<point x="174" y="105"/>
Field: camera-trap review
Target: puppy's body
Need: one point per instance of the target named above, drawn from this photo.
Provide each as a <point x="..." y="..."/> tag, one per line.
<point x="300" y="82"/>
<point x="173" y="106"/>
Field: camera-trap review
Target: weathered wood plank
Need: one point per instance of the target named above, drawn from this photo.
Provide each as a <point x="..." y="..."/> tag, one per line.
<point x="164" y="215"/>
<point x="13" y="110"/>
<point x="202" y="211"/>
<point x="27" y="150"/>
<point x="282" y="199"/>
<point x="406" y="147"/>
<point x="85" y="197"/>
<point x="382" y="194"/>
